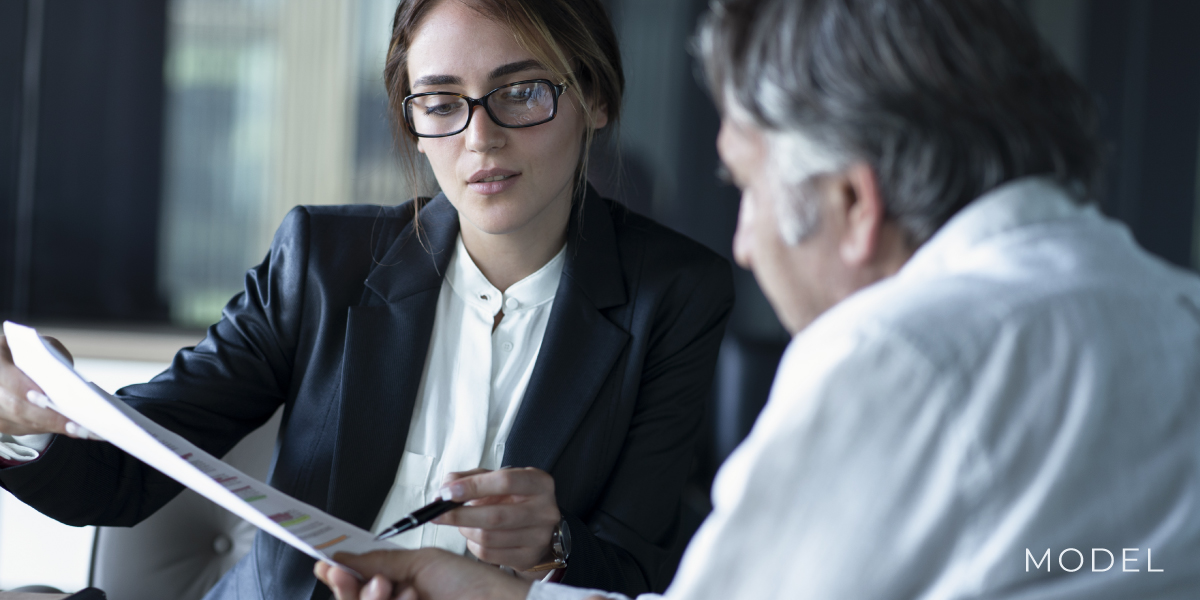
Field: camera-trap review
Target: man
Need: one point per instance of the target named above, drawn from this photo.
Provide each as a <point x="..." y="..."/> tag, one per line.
<point x="992" y="391"/>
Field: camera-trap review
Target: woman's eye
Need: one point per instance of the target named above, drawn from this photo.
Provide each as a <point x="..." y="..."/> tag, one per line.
<point x="518" y="94"/>
<point x="442" y="109"/>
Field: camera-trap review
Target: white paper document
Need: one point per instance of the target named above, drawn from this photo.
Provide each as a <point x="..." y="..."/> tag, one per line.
<point x="305" y="527"/>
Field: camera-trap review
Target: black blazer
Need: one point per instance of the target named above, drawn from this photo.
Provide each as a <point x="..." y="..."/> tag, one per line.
<point x="335" y="325"/>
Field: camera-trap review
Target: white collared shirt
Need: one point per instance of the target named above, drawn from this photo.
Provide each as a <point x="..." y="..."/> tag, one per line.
<point x="471" y="388"/>
<point x="1028" y="384"/>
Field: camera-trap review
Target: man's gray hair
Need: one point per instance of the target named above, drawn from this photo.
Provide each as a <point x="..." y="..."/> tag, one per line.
<point x="944" y="99"/>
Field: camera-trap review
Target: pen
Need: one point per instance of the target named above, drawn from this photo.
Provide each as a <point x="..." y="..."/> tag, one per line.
<point x="419" y="517"/>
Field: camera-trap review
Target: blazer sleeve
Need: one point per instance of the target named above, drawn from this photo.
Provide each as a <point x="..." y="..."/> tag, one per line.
<point x="623" y="545"/>
<point x="213" y="395"/>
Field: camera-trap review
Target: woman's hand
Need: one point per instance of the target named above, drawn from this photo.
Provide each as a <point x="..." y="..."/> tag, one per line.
<point x="429" y="574"/>
<point x="509" y="517"/>
<point x="24" y="407"/>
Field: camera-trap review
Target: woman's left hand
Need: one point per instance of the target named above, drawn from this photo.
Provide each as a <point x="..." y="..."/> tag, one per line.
<point x="509" y="517"/>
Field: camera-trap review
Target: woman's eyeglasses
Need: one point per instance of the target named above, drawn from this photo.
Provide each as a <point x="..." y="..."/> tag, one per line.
<point x="515" y="105"/>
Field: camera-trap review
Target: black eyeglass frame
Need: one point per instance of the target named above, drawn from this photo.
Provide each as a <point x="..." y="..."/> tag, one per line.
<point x="559" y="89"/>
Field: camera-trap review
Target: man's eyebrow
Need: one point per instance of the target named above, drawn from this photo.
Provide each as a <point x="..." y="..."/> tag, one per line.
<point x="515" y="67"/>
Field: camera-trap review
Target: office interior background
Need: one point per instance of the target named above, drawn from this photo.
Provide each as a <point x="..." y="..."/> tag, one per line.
<point x="149" y="148"/>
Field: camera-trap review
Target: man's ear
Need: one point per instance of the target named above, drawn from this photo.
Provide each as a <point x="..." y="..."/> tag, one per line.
<point x="864" y="215"/>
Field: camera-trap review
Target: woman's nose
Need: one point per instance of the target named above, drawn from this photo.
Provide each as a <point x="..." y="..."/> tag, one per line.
<point x="482" y="134"/>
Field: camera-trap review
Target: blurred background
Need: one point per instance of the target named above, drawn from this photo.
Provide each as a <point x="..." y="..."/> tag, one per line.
<point x="149" y="148"/>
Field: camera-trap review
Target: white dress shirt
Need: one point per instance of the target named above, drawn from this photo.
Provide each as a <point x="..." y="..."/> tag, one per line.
<point x="471" y="388"/>
<point x="1028" y="382"/>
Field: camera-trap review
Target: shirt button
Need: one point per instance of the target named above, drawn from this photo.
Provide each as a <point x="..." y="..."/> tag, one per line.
<point x="507" y="346"/>
<point x="512" y="304"/>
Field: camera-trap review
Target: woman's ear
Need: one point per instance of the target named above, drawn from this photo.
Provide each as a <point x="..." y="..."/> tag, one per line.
<point x="420" y="148"/>
<point x="600" y="116"/>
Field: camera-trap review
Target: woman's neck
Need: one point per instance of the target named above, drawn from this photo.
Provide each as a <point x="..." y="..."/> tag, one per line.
<point x="507" y="258"/>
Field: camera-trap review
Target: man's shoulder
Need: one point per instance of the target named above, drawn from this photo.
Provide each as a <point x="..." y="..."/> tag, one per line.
<point x="944" y="320"/>
<point x="956" y="318"/>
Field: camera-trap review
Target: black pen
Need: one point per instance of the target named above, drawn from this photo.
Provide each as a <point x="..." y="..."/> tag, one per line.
<point x="419" y="517"/>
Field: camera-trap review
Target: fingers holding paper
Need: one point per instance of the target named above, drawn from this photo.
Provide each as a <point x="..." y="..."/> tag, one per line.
<point x="346" y="587"/>
<point x="509" y="517"/>
<point x="24" y="408"/>
<point x="429" y="574"/>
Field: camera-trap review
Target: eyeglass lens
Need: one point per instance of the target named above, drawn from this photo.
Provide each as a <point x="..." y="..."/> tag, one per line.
<point x="518" y="105"/>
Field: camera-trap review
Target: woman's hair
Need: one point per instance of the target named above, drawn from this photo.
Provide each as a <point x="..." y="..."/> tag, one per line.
<point x="574" y="39"/>
<point x="944" y="99"/>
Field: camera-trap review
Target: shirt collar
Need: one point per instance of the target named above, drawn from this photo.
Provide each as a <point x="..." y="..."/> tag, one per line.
<point x="1019" y="203"/>
<point x="468" y="283"/>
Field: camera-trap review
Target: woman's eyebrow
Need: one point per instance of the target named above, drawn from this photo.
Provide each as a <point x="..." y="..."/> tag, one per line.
<point x="437" y="80"/>
<point x="498" y="72"/>
<point x="515" y="67"/>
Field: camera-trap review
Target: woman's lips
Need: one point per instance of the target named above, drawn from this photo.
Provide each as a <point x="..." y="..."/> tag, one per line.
<point x="487" y="188"/>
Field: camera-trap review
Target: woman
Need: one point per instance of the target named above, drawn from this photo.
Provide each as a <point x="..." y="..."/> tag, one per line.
<point x="516" y="319"/>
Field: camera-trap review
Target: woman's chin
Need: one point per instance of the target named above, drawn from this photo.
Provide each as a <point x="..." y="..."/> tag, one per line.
<point x="508" y="213"/>
<point x="502" y="224"/>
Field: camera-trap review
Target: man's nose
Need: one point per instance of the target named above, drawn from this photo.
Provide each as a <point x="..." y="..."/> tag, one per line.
<point x="483" y="134"/>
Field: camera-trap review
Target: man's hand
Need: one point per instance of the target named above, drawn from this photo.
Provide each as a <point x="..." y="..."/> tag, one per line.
<point x="509" y="517"/>
<point x="429" y="574"/>
<point x="23" y="405"/>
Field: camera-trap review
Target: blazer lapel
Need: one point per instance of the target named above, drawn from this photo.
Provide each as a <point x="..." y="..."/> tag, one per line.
<point x="580" y="346"/>
<point x="387" y="338"/>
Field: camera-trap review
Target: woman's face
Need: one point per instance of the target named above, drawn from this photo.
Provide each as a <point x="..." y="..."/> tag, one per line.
<point x="458" y="50"/>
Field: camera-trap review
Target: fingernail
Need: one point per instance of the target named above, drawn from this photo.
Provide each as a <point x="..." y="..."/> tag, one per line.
<point x="451" y="491"/>
<point x="37" y="398"/>
<point x="73" y="429"/>
<point x="374" y="589"/>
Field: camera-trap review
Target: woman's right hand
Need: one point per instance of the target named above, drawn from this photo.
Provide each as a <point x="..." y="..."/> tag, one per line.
<point x="23" y="405"/>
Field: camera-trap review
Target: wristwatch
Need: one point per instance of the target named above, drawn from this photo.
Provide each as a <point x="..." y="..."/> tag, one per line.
<point x="560" y="548"/>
